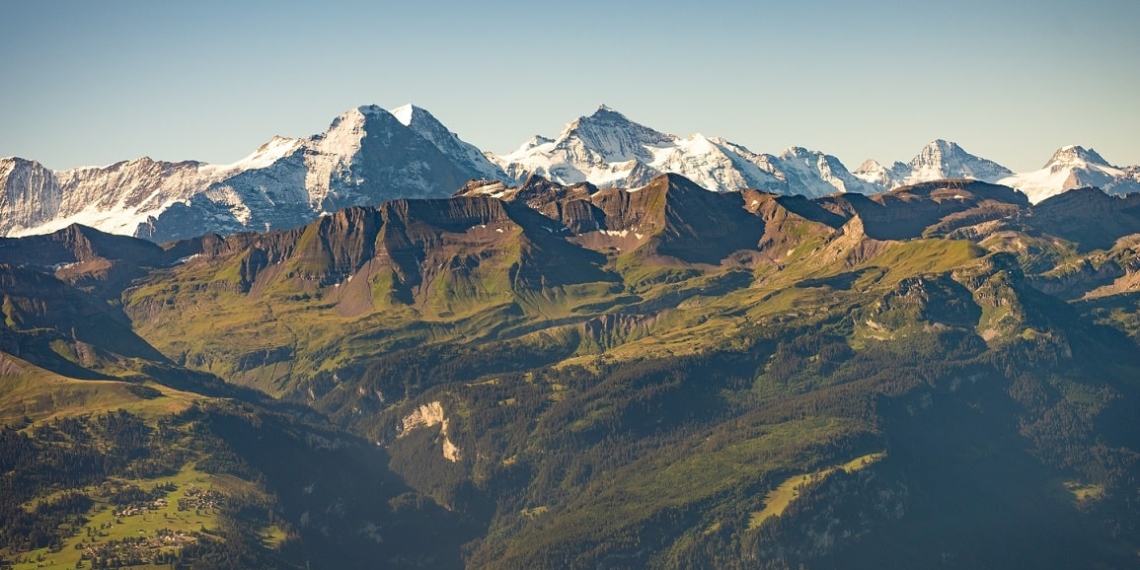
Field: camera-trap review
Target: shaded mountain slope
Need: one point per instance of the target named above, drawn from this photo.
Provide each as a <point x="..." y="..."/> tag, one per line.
<point x="666" y="377"/>
<point x="104" y="437"/>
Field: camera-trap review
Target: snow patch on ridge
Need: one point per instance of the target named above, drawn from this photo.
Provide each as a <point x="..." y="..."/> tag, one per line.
<point x="404" y="114"/>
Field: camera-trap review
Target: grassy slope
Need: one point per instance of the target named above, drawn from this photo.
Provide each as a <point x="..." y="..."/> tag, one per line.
<point x="103" y="526"/>
<point x="586" y="452"/>
<point x="778" y="499"/>
<point x="37" y="394"/>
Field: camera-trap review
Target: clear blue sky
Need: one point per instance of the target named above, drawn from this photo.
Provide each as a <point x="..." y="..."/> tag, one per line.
<point x="95" y="82"/>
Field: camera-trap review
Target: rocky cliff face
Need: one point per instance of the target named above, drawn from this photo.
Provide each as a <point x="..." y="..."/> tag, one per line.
<point x="114" y="199"/>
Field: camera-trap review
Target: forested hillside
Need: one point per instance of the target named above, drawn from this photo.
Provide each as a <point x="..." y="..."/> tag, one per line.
<point x="558" y="376"/>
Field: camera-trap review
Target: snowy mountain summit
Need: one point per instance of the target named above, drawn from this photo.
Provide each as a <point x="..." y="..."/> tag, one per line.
<point x="938" y="160"/>
<point x="613" y="137"/>
<point x="1075" y="167"/>
<point x="370" y="155"/>
<point x="367" y="155"/>
<point x="609" y="150"/>
<point x="465" y="155"/>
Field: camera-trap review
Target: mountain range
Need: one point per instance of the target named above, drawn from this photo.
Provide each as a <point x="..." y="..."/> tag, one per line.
<point x="370" y="155"/>
<point x="546" y="375"/>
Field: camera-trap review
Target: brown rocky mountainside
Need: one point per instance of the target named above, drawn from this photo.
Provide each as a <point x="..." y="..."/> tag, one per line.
<point x="539" y="227"/>
<point x="562" y="376"/>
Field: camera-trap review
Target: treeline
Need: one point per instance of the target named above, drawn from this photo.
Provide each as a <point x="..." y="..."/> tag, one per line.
<point x="23" y="530"/>
<point x="541" y="444"/>
<point x="58" y="457"/>
<point x="43" y="470"/>
<point x="407" y="373"/>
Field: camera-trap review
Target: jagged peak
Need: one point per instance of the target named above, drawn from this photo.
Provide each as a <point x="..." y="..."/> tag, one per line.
<point x="536" y="140"/>
<point x="143" y="163"/>
<point x="946" y="159"/>
<point x="14" y="162"/>
<point x="606" y="113"/>
<point x="277" y="141"/>
<point x="370" y="110"/>
<point x="275" y="149"/>
<point x="943" y="144"/>
<point x="357" y="116"/>
<point x="408" y="114"/>
<point x="937" y="149"/>
<point x="799" y="152"/>
<point x="604" y="117"/>
<point x="612" y="135"/>
<point x="1074" y="153"/>
<point x="536" y="185"/>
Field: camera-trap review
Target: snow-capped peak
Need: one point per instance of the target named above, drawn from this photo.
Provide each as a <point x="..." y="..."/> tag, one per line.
<point x="369" y="154"/>
<point x="368" y="110"/>
<point x="612" y="136"/>
<point x="7" y="165"/>
<point x="1073" y="154"/>
<point x="1074" y="167"/>
<point x="365" y="156"/>
<point x="605" y="111"/>
<point x="870" y="165"/>
<point x="937" y="160"/>
<point x="409" y="115"/>
<point x="873" y="172"/>
<point x="419" y="120"/>
<point x="344" y="135"/>
<point x="404" y="113"/>
<point x="798" y="152"/>
<point x="935" y="150"/>
<point x="465" y="155"/>
<point x="608" y="149"/>
<point x="941" y="158"/>
<point x="532" y="142"/>
<point x="277" y="148"/>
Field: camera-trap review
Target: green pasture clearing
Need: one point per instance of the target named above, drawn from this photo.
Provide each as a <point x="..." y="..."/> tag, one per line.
<point x="778" y="500"/>
<point x="103" y="526"/>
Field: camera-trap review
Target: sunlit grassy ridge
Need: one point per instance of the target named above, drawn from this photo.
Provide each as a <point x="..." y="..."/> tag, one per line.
<point x="776" y="501"/>
<point x="36" y="394"/>
<point x="104" y="525"/>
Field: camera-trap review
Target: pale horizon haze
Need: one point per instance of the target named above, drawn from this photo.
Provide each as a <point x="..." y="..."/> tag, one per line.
<point x="92" y="83"/>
